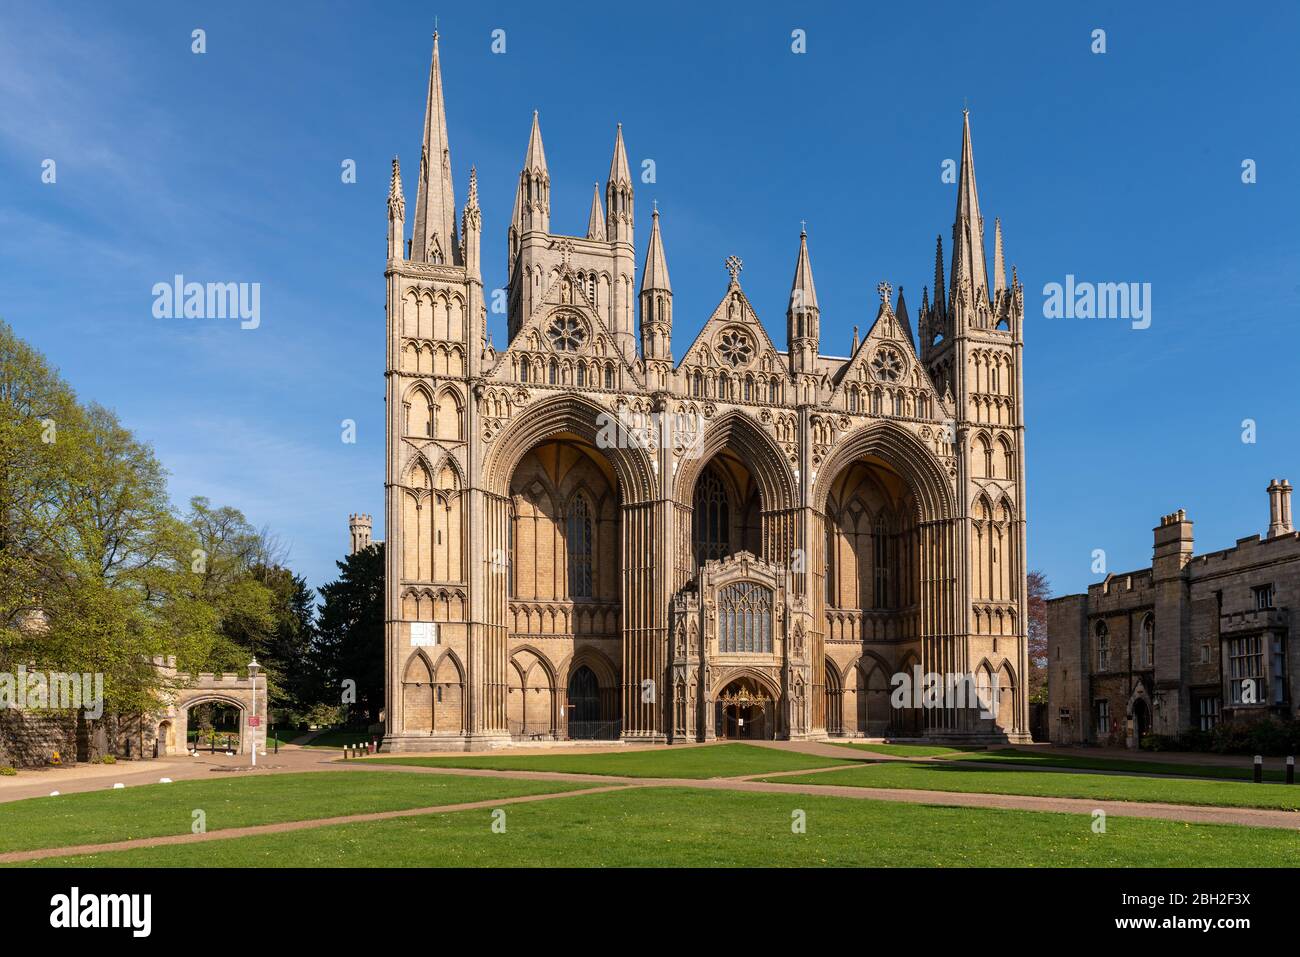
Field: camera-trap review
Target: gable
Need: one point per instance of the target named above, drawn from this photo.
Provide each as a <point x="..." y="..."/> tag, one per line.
<point x="733" y="347"/>
<point x="885" y="377"/>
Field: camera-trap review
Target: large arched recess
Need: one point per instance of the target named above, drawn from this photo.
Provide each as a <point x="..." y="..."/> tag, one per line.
<point x="939" y="618"/>
<point x="778" y="492"/>
<point x="576" y="419"/>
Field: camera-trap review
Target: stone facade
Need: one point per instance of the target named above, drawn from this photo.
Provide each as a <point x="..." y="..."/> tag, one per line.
<point x="588" y="537"/>
<point x="1182" y="645"/>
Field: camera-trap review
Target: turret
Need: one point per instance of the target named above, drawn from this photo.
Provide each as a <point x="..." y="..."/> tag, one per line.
<point x="803" y="316"/>
<point x="656" y="299"/>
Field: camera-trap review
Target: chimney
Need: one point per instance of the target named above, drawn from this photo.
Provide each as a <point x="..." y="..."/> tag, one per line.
<point x="359" y="526"/>
<point x="1279" y="508"/>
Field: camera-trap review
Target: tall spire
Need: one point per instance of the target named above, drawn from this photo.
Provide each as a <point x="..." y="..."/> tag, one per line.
<point x="655" y="274"/>
<point x="535" y="159"/>
<point x="999" y="270"/>
<point x="618" y="194"/>
<point x="969" y="275"/>
<point x="803" y="294"/>
<point x="596" y="221"/>
<point x="434" y="233"/>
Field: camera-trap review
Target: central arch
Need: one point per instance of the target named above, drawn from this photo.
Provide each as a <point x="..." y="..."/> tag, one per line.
<point x="747" y="705"/>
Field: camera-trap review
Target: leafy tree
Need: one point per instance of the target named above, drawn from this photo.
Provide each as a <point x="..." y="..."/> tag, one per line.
<point x="1039" y="591"/>
<point x="350" y="634"/>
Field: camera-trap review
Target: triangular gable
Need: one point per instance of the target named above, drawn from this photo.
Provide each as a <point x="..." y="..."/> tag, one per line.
<point x="565" y="291"/>
<point x="710" y="350"/>
<point x="869" y="365"/>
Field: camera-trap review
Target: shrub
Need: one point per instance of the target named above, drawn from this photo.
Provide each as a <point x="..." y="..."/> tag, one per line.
<point x="6" y="771"/>
<point x="108" y="759"/>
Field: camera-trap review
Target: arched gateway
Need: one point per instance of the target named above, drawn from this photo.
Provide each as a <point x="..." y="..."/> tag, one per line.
<point x="592" y="535"/>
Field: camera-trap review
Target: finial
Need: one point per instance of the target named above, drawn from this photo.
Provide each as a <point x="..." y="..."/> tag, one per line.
<point x="656" y="205"/>
<point x="885" y="290"/>
<point x="803" y="227"/>
<point x="435" y="28"/>
<point x="734" y="266"/>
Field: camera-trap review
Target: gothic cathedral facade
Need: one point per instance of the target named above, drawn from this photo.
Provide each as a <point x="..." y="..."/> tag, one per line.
<point x="590" y="538"/>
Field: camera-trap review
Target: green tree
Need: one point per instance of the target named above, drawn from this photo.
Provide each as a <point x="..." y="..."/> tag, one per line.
<point x="349" y="642"/>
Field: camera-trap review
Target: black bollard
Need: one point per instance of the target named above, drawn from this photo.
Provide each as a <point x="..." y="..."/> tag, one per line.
<point x="1259" y="768"/>
<point x="1290" y="769"/>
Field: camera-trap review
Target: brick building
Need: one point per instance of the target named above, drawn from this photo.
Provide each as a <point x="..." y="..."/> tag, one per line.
<point x="1190" y="642"/>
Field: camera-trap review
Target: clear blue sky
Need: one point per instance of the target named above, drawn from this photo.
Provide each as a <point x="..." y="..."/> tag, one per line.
<point x="1122" y="167"/>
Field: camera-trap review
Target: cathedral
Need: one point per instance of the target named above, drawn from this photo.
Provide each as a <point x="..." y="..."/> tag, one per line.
<point x="603" y="530"/>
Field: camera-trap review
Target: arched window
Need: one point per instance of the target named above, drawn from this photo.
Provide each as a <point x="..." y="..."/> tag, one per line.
<point x="552" y="372"/>
<point x="584" y="698"/>
<point x="578" y="541"/>
<point x="1103" y="647"/>
<point x="695" y="383"/>
<point x="1148" y="641"/>
<point x="882" y="556"/>
<point x="745" y="619"/>
<point x="609" y="377"/>
<point x="582" y="374"/>
<point x="523" y="369"/>
<point x="711" y="521"/>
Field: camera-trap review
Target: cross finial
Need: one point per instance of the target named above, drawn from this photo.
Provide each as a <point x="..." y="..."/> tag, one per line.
<point x="885" y="290"/>
<point x="803" y="227"/>
<point x="435" y="26"/>
<point x="734" y="266"/>
<point x="656" y="202"/>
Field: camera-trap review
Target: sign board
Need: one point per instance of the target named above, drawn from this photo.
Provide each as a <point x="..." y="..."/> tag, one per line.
<point x="254" y="721"/>
<point x="424" y="633"/>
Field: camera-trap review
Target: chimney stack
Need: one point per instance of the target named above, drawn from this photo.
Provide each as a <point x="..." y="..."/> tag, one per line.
<point x="1279" y="508"/>
<point x="359" y="526"/>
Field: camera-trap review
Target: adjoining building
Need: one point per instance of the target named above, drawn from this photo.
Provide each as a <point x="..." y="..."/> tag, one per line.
<point x="1181" y="646"/>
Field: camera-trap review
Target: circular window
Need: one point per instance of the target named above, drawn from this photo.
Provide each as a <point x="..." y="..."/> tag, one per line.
<point x="887" y="364"/>
<point x="566" y="333"/>
<point x="734" y="348"/>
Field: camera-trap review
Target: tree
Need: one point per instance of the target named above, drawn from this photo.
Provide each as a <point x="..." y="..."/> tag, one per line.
<point x="1039" y="591"/>
<point x="349" y="642"/>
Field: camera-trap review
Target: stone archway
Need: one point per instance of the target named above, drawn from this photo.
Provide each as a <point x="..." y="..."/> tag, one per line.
<point x="229" y="689"/>
<point x="746" y="705"/>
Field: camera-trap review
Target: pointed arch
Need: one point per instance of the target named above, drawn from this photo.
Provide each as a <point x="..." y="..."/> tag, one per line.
<point x="449" y="415"/>
<point x="904" y="451"/>
<point x="755" y="446"/>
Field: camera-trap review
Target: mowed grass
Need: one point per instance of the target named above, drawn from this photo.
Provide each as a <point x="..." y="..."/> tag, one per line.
<point x="707" y="761"/>
<point x="153" y="810"/>
<point x="1070" y="762"/>
<point x="682" y="827"/>
<point x="336" y="739"/>
<point x="902" y="750"/>
<point x="1102" y="787"/>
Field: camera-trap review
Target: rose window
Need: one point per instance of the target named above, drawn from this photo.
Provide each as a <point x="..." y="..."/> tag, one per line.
<point x="734" y="348"/>
<point x="567" y="334"/>
<point x="887" y="365"/>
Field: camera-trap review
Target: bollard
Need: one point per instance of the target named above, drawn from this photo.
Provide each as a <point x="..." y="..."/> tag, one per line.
<point x="1290" y="769"/>
<point x="346" y="749"/>
<point x="1259" y="768"/>
<point x="277" y="744"/>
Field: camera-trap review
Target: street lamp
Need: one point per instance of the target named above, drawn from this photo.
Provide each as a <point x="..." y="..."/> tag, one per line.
<point x="253" y="669"/>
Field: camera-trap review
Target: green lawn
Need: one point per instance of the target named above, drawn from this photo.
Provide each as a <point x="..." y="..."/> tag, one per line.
<point x="677" y="827"/>
<point x="151" y="810"/>
<point x="709" y="761"/>
<point x="1102" y="787"/>
<point x="1013" y="756"/>
<point x="902" y="750"/>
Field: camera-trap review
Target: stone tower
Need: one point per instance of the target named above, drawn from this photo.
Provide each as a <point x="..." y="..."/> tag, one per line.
<point x="359" y="530"/>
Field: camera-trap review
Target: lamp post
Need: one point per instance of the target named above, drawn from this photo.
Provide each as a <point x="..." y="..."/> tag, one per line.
<point x="253" y="669"/>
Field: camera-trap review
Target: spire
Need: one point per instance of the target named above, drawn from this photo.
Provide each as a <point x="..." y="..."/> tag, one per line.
<point x="396" y="200"/>
<point x="618" y="194"/>
<point x="596" y="221"/>
<point x="803" y="294"/>
<point x="904" y="322"/>
<point x="940" y="291"/>
<point x="968" y="272"/>
<point x="535" y="160"/>
<point x="434" y="234"/>
<point x="533" y="196"/>
<point x="655" y="274"/>
<point x="999" y="271"/>
<point x="856" y="342"/>
<point x="396" y="212"/>
<point x="618" y="170"/>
